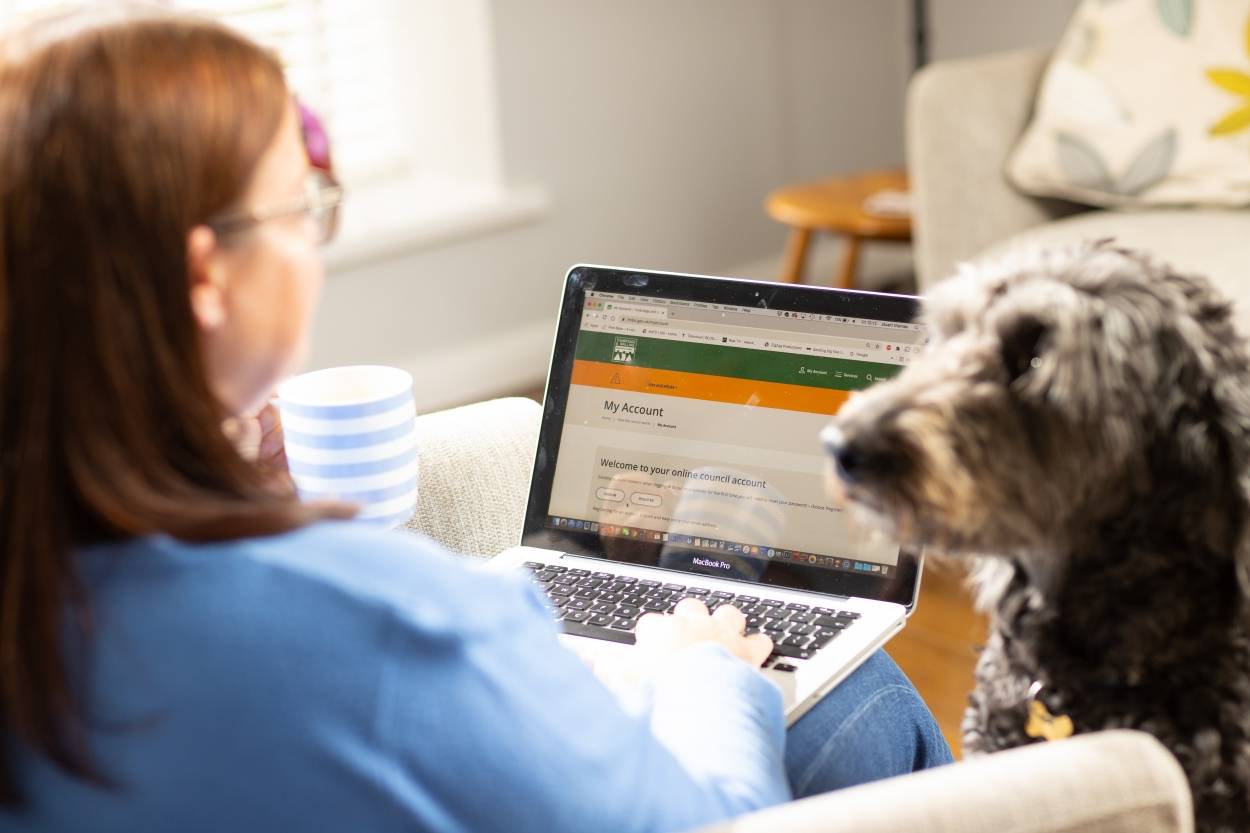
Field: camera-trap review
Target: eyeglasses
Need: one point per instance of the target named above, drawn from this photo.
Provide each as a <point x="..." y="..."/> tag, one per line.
<point x="320" y="201"/>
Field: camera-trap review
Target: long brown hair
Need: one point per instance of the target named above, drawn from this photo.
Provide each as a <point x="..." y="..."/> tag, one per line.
<point x="116" y="138"/>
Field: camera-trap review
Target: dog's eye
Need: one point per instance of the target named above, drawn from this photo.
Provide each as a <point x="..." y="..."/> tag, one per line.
<point x="1022" y="346"/>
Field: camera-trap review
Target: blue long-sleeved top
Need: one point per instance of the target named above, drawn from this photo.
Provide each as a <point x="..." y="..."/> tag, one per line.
<point x="338" y="678"/>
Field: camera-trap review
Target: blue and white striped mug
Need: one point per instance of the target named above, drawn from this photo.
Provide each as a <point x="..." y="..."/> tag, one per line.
<point x="351" y="435"/>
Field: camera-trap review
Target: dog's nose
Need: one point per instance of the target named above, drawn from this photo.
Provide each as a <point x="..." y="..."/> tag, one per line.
<point x="850" y="457"/>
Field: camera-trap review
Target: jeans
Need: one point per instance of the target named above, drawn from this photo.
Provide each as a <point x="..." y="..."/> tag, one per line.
<point x="873" y="725"/>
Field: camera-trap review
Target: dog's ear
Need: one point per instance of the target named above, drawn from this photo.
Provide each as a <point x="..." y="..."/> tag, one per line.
<point x="1217" y="375"/>
<point x="1238" y="427"/>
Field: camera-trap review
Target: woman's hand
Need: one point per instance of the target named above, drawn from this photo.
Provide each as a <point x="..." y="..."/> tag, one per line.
<point x="272" y="450"/>
<point x="259" y="439"/>
<point x="661" y="636"/>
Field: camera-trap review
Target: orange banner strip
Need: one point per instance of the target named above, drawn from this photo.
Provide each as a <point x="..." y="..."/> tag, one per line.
<point x="708" y="388"/>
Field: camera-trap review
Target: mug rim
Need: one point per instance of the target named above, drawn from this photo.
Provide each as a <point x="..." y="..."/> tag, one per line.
<point x="307" y="388"/>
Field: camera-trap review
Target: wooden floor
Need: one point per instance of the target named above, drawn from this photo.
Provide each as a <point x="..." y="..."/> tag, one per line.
<point x="938" y="648"/>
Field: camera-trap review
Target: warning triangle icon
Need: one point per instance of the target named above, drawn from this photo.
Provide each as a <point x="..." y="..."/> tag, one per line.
<point x="616" y="378"/>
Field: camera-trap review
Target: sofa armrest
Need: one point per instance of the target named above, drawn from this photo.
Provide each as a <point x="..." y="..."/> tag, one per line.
<point x="963" y="118"/>
<point x="476" y="463"/>
<point x="1109" y="782"/>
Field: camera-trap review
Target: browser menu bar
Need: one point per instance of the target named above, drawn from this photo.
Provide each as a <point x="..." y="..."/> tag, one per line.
<point x="894" y="344"/>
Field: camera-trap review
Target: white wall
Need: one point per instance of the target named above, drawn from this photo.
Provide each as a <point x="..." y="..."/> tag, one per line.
<point x="657" y="127"/>
<point x="962" y="28"/>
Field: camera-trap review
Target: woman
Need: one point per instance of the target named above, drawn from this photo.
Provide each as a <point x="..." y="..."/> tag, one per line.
<point x="183" y="645"/>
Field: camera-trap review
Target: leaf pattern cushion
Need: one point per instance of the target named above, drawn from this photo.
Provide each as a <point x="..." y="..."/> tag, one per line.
<point x="1144" y="103"/>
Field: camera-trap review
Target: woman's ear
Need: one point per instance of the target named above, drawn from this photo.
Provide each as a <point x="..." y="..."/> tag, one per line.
<point x="206" y="278"/>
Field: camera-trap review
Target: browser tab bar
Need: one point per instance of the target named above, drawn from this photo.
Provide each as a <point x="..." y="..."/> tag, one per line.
<point x="784" y="331"/>
<point x="647" y="311"/>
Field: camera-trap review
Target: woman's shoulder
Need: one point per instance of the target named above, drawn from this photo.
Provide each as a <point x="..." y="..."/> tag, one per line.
<point x="372" y="563"/>
<point x="325" y="565"/>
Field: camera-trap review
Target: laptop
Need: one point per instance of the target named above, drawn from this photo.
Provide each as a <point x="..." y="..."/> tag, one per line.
<point x="679" y="456"/>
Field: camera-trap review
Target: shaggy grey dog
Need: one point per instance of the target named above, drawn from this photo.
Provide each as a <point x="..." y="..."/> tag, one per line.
<point x="1080" y="425"/>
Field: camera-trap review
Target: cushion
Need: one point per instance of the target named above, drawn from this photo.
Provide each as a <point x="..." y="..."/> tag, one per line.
<point x="1210" y="243"/>
<point x="1144" y="103"/>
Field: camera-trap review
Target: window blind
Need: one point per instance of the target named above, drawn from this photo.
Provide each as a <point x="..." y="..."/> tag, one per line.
<point x="340" y="57"/>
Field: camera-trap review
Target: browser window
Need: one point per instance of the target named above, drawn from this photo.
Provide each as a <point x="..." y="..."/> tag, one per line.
<point x="697" y="425"/>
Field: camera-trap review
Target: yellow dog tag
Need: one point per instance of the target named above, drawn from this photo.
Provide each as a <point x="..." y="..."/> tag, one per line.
<point x="1043" y="724"/>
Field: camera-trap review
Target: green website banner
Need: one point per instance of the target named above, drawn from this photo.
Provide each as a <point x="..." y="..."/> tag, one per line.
<point x="735" y="362"/>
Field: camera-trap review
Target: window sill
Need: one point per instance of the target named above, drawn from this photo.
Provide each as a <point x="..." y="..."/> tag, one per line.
<point x="390" y="220"/>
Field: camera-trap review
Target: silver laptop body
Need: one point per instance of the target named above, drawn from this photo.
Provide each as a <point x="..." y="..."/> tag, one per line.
<point x="679" y="456"/>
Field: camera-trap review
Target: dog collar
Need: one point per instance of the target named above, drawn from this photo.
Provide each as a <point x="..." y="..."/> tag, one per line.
<point x="1041" y="723"/>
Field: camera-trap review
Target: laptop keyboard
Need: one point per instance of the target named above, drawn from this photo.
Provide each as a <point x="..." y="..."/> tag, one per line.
<point x="604" y="605"/>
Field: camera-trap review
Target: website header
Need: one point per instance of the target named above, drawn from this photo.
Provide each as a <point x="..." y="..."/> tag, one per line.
<point x="767" y="330"/>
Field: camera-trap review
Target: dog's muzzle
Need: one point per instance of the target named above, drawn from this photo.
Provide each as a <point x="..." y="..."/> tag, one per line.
<point x="851" y="459"/>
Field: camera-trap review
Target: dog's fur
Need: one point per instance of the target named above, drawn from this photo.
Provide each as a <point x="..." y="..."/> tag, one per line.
<point x="1080" y="426"/>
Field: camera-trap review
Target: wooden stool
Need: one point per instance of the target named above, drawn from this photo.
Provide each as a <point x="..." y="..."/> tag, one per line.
<point x="836" y="205"/>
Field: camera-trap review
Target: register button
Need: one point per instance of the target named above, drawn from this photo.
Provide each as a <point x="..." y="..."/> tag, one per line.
<point x="613" y="495"/>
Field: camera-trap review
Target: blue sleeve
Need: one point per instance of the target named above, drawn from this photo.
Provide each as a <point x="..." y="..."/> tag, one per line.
<point x="507" y="730"/>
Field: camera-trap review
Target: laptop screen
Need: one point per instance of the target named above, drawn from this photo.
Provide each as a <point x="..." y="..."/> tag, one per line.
<point x="689" y="417"/>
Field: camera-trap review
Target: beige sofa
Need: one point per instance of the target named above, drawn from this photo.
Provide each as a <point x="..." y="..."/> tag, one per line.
<point x="964" y="117"/>
<point x="475" y="468"/>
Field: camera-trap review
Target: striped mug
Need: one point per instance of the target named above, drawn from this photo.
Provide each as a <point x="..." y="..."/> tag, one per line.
<point x="351" y="435"/>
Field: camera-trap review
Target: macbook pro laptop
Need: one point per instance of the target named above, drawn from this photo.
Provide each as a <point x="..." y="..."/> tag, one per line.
<point x="679" y="456"/>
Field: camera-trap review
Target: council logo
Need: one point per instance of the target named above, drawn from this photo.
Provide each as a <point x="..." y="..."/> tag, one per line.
<point x="623" y="349"/>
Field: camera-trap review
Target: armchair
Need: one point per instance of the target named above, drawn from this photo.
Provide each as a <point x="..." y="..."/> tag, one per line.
<point x="964" y="117"/>
<point x="475" y="467"/>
